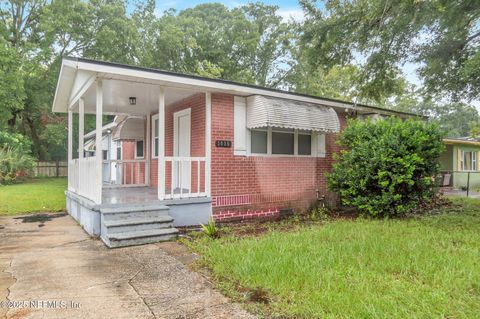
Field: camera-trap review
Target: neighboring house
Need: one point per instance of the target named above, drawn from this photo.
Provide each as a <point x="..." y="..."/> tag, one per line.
<point x="458" y="160"/>
<point x="198" y="147"/>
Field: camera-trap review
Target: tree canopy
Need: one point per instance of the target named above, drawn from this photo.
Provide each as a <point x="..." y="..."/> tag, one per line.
<point x="381" y="36"/>
<point x="350" y="50"/>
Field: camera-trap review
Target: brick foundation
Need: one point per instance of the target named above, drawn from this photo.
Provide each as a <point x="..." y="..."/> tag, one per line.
<point x="238" y="215"/>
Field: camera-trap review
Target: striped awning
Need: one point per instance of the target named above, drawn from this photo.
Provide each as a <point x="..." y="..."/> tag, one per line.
<point x="282" y="113"/>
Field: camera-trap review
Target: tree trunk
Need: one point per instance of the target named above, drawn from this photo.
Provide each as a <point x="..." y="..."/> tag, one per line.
<point x="37" y="150"/>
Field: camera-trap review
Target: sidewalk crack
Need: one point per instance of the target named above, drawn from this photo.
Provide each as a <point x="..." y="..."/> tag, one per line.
<point x="138" y="294"/>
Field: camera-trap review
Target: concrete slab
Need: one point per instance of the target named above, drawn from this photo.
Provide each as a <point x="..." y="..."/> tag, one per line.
<point x="52" y="260"/>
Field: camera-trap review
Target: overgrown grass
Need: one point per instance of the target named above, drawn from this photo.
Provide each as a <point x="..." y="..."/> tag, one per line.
<point x="34" y="195"/>
<point x="417" y="268"/>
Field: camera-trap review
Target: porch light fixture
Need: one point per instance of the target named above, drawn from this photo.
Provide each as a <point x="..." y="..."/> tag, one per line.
<point x="133" y="100"/>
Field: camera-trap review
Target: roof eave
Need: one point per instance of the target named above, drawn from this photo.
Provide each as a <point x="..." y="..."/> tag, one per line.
<point x="210" y="84"/>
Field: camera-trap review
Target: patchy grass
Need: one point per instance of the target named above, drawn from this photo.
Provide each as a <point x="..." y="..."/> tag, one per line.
<point x="426" y="267"/>
<point x="34" y="195"/>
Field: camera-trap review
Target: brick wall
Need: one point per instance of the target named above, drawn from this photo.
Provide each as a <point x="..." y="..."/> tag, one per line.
<point x="259" y="186"/>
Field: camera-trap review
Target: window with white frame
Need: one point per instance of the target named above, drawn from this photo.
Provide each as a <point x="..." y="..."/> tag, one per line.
<point x="273" y="141"/>
<point x="283" y="142"/>
<point x="259" y="141"/>
<point x="139" y="149"/>
<point x="304" y="143"/>
<point x="468" y="160"/>
<point x="155" y="136"/>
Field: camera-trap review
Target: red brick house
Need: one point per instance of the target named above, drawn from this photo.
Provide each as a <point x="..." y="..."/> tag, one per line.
<point x="192" y="148"/>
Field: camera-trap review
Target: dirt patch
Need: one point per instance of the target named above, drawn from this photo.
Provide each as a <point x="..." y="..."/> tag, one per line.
<point x="180" y="252"/>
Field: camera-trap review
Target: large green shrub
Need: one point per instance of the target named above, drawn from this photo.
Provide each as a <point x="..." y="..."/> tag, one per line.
<point x="386" y="167"/>
<point x="14" y="165"/>
<point x="16" y="161"/>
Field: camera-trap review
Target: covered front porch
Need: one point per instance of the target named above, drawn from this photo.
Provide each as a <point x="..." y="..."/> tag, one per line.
<point x="164" y="162"/>
<point x="147" y="171"/>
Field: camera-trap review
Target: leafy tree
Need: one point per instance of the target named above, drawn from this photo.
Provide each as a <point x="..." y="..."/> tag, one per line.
<point x="387" y="167"/>
<point x="16" y="141"/>
<point x="336" y="83"/>
<point x="37" y="33"/>
<point x="12" y="92"/>
<point x="380" y="36"/>
<point x="245" y="44"/>
<point x="456" y="119"/>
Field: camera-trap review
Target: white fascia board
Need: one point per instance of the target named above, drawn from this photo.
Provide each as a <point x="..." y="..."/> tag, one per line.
<point x="58" y="86"/>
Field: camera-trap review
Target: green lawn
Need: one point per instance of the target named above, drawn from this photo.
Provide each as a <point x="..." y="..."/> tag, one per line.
<point x="35" y="195"/>
<point x="417" y="268"/>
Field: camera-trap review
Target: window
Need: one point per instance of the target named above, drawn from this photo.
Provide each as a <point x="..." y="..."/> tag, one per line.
<point x="259" y="142"/>
<point x="139" y="149"/>
<point x="468" y="161"/>
<point x="119" y="151"/>
<point x="275" y="141"/>
<point x="105" y="155"/>
<point x="304" y="144"/>
<point x="283" y="143"/>
<point x="155" y="136"/>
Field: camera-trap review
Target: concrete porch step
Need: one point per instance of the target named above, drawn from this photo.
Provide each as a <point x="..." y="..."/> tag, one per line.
<point x="128" y="214"/>
<point x="132" y="208"/>
<point x="140" y="237"/>
<point x="136" y="224"/>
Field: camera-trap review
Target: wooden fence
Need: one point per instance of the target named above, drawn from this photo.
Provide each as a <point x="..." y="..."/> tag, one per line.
<point x="51" y="169"/>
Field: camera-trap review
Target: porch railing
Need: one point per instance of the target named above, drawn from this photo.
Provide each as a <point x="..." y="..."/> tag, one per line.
<point x="81" y="177"/>
<point x="184" y="177"/>
<point x="125" y="172"/>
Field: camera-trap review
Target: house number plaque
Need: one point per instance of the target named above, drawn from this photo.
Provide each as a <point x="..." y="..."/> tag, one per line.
<point x="222" y="143"/>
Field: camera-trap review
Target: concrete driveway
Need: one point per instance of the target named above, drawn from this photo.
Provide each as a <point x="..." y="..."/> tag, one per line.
<point x="50" y="268"/>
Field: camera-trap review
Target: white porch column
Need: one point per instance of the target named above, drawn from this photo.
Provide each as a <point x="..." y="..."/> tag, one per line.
<point x="208" y="141"/>
<point x="81" y="126"/>
<point x="98" y="143"/>
<point x="161" y="144"/>
<point x="147" y="142"/>
<point x="70" y="151"/>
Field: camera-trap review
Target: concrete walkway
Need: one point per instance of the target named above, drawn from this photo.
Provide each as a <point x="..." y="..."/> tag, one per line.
<point x="52" y="260"/>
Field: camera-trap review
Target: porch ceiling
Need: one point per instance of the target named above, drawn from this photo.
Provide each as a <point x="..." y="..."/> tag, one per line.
<point x="116" y="95"/>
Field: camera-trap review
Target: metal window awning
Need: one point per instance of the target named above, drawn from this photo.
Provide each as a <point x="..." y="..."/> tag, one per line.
<point x="282" y="113"/>
<point x="130" y="128"/>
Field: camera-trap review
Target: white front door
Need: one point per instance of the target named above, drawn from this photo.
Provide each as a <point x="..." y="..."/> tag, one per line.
<point x="181" y="145"/>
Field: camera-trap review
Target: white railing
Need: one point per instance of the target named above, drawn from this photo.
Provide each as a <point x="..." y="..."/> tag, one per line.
<point x="125" y="173"/>
<point x="185" y="177"/>
<point x="73" y="175"/>
<point x="87" y="178"/>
